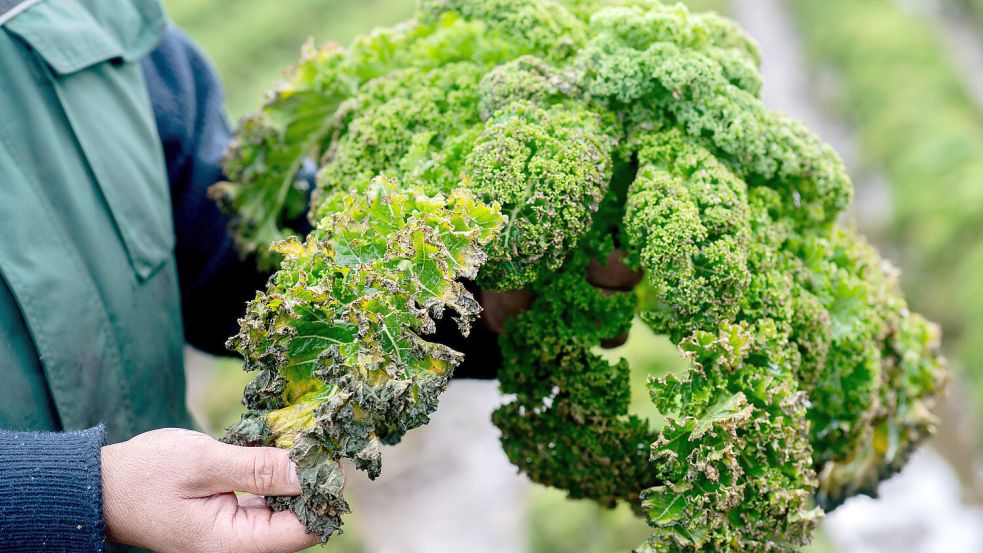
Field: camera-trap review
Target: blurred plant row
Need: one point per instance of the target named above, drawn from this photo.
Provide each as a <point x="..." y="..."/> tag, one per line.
<point x="899" y="86"/>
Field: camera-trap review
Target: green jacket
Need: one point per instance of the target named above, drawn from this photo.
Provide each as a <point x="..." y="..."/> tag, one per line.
<point x="90" y="315"/>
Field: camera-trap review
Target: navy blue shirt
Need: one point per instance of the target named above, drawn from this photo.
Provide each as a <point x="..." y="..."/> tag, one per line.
<point x="51" y="491"/>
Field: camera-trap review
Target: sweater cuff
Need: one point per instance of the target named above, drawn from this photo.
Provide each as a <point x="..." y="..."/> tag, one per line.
<point x="51" y="491"/>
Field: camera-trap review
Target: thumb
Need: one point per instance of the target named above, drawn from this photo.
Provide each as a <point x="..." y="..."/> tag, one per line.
<point x="256" y="470"/>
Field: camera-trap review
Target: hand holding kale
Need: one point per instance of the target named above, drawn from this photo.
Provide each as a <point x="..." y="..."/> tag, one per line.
<point x="172" y="490"/>
<point x="522" y="143"/>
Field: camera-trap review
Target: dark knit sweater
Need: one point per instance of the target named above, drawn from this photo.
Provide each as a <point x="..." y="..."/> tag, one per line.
<point x="51" y="491"/>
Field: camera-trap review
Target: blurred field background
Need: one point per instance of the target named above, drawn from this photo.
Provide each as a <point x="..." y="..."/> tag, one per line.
<point x="895" y="85"/>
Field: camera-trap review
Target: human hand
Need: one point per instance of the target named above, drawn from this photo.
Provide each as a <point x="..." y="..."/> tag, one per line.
<point x="172" y="490"/>
<point x="611" y="277"/>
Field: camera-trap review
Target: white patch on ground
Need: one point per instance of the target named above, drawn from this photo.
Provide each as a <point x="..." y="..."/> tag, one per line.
<point x="447" y="487"/>
<point x="919" y="511"/>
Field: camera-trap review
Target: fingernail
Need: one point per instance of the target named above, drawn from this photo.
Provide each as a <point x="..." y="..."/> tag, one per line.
<point x="292" y="477"/>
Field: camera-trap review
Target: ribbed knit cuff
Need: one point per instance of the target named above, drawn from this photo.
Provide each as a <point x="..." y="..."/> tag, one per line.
<point x="51" y="491"/>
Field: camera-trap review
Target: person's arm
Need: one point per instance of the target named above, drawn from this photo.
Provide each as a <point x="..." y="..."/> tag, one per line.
<point x="50" y="491"/>
<point x="188" y="104"/>
<point x="168" y="490"/>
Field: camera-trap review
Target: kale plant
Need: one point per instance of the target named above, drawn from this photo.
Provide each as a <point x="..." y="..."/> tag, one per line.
<point x="512" y="142"/>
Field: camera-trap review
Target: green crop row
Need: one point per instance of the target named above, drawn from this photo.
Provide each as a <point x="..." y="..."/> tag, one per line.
<point x="251" y="42"/>
<point x="973" y="7"/>
<point x="917" y="122"/>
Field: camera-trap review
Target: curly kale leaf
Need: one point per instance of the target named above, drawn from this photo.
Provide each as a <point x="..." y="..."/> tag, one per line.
<point x="733" y="458"/>
<point x="688" y="224"/>
<point x="269" y="149"/>
<point x="339" y="337"/>
<point x="552" y="167"/>
<point x="526" y="138"/>
<point x="568" y="425"/>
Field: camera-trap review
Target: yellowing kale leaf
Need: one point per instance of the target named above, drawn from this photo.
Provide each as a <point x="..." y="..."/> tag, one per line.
<point x="339" y="338"/>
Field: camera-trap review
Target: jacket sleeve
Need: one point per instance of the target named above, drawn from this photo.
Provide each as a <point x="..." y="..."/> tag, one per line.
<point x="51" y="491"/>
<point x="187" y="100"/>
